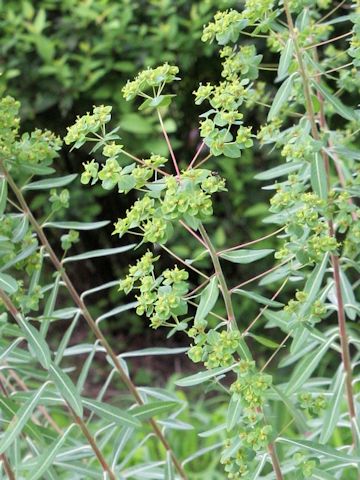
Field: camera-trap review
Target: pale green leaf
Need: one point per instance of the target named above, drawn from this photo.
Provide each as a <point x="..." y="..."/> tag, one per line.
<point x="343" y="110"/>
<point x="149" y="410"/>
<point x="202" y="377"/>
<point x="282" y="96"/>
<point x="318" y="177"/>
<point x="56" y="182"/>
<point x="109" y="412"/>
<point x="19" y="420"/>
<point x="305" y="368"/>
<point x="103" y="252"/>
<point x="66" y="389"/>
<point x="258" y="298"/>
<point x="285" y="59"/>
<point x="208" y="299"/>
<point x="3" y="194"/>
<point x="332" y="412"/>
<point x="8" y="284"/>
<point x="37" y="342"/>
<point x="77" y="225"/>
<point x="233" y="413"/>
<point x="245" y="256"/>
<point x="45" y="460"/>
<point x="279" y="171"/>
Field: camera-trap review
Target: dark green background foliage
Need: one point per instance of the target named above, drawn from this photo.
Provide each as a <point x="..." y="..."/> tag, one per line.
<point x="61" y="57"/>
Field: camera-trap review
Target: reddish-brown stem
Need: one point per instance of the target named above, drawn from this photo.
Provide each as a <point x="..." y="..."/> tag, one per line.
<point x="7" y="467"/>
<point x="330" y="40"/>
<point x="187" y="265"/>
<point x="168" y="144"/>
<point x="260" y="275"/>
<point x="252" y="242"/>
<point x="203" y="160"/>
<point x="196" y="155"/>
<point x="345" y="351"/>
<point x="194" y="234"/>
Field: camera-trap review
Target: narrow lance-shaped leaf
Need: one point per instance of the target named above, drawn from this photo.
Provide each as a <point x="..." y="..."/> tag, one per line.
<point x="149" y="410"/>
<point x="99" y="253"/>
<point x="202" y="377"/>
<point x="45" y="460"/>
<point x="282" y="95"/>
<point x="348" y="295"/>
<point x="258" y="298"/>
<point x="36" y="342"/>
<point x="77" y="225"/>
<point x="319" y="177"/>
<point x="56" y="182"/>
<point x="3" y="194"/>
<point x="306" y="367"/>
<point x="111" y="413"/>
<point x="19" y="421"/>
<point x="169" y="468"/>
<point x="285" y="59"/>
<point x="8" y="284"/>
<point x="324" y="450"/>
<point x="332" y="412"/>
<point x="343" y="110"/>
<point x="233" y="413"/>
<point x="66" y="388"/>
<point x="245" y="256"/>
<point x="208" y="299"/>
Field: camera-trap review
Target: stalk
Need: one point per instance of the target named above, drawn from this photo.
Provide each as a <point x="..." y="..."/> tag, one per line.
<point x="345" y="351"/>
<point x="7" y="467"/>
<point x="88" y="317"/>
<point x="226" y="293"/>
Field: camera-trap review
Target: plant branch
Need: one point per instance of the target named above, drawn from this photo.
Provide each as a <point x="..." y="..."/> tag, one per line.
<point x="7" y="467"/>
<point x="345" y="351"/>
<point x="88" y="317"/>
<point x="168" y="144"/>
<point x="219" y="273"/>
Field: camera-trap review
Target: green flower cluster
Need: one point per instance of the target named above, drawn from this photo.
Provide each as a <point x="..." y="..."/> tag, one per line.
<point x="160" y="299"/>
<point x="225" y="28"/>
<point x="223" y="130"/>
<point x="9" y="125"/>
<point x="305" y="465"/>
<point x="87" y="124"/>
<point x="215" y="349"/>
<point x="302" y="312"/>
<point x="149" y="79"/>
<point x="249" y="389"/>
<point x="314" y="405"/>
<point x="250" y="385"/>
<point x="68" y="239"/>
<point x="60" y="200"/>
<point x="187" y="198"/>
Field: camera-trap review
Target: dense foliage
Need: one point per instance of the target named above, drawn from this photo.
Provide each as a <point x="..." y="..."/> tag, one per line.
<point x="290" y="411"/>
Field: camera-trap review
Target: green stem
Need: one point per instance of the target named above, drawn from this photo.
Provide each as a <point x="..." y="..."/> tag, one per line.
<point x="220" y="275"/>
<point x="345" y="350"/>
<point x="88" y="317"/>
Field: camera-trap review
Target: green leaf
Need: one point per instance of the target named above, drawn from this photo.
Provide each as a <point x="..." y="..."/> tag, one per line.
<point x="37" y="169"/>
<point x="279" y="171"/>
<point x="156" y="102"/>
<point x="150" y="410"/>
<point x="258" y="298"/>
<point x="208" y="299"/>
<point x="3" y="194"/>
<point x="77" y="225"/>
<point x="153" y="352"/>
<point x="264" y="341"/>
<point x="8" y="284"/>
<point x="344" y="111"/>
<point x="321" y="450"/>
<point x="332" y="412"/>
<point x="103" y="252"/>
<point x="297" y="415"/>
<point x="169" y="468"/>
<point x="305" y="368"/>
<point x="21" y="256"/>
<point x="37" y="342"/>
<point x="285" y="59"/>
<point x="245" y="256"/>
<point x="318" y="177"/>
<point x="233" y="413"/>
<point x="348" y="295"/>
<point x="19" y="420"/>
<point x="55" y="182"/>
<point x="66" y="389"/>
<point x="202" y="377"/>
<point x="282" y="95"/>
<point x="109" y="412"/>
<point x="45" y="460"/>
